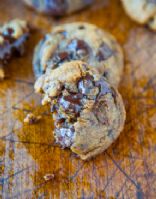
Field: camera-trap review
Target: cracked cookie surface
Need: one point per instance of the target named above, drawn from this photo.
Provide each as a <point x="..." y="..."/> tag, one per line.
<point x="80" y="41"/>
<point x="88" y="112"/>
<point x="142" y="11"/>
<point x="58" y="7"/>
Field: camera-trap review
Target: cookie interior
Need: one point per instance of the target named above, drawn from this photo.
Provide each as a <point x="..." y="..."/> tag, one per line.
<point x="67" y="106"/>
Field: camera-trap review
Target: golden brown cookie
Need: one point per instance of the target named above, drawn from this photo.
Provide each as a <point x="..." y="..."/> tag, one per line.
<point x="142" y="11"/>
<point x="88" y="112"/>
<point x="80" y="41"/>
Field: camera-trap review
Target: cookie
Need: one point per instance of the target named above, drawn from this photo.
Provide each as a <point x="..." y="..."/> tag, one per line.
<point x="88" y="112"/>
<point x="142" y="11"/>
<point x="13" y="36"/>
<point x="80" y="41"/>
<point x="58" y="7"/>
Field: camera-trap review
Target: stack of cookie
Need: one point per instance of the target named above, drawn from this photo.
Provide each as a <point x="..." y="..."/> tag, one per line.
<point x="78" y="68"/>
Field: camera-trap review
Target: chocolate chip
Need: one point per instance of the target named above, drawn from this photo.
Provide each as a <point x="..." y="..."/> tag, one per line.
<point x="79" y="48"/>
<point x="63" y="55"/>
<point x="104" y="52"/>
<point x="71" y="103"/>
<point x="85" y="84"/>
<point x="104" y="87"/>
<point x="81" y="27"/>
<point x="58" y="58"/>
<point x="9" y="31"/>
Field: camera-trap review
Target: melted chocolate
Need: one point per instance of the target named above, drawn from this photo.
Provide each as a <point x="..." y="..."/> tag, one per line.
<point x="79" y="49"/>
<point x="85" y="84"/>
<point x="71" y="103"/>
<point x="68" y="108"/>
<point x="104" y="52"/>
<point x="104" y="87"/>
<point x="76" y="49"/>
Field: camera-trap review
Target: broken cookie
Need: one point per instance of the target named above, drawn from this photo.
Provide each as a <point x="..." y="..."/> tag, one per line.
<point x="80" y="41"/>
<point x="142" y="11"/>
<point x="13" y="36"/>
<point x="58" y="7"/>
<point x="88" y="112"/>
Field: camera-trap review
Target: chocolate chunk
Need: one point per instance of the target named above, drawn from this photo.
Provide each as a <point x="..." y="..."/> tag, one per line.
<point x="78" y="48"/>
<point x="85" y="84"/>
<point x="104" y="87"/>
<point x="71" y="103"/>
<point x="104" y="52"/>
<point x="81" y="27"/>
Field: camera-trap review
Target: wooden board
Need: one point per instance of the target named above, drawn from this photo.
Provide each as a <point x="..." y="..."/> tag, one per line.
<point x="128" y="168"/>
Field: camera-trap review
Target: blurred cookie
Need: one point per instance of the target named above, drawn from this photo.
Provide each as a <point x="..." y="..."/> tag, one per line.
<point x="142" y="11"/>
<point x="58" y="7"/>
<point x="88" y="112"/>
<point x="13" y="36"/>
<point x="80" y="41"/>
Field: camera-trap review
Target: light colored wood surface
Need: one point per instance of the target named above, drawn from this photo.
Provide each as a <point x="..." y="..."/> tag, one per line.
<point x="127" y="169"/>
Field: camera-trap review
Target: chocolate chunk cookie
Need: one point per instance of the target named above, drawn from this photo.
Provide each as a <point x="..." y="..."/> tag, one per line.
<point x="80" y="41"/>
<point x="142" y="11"/>
<point x="13" y="36"/>
<point x="58" y="7"/>
<point x="88" y="112"/>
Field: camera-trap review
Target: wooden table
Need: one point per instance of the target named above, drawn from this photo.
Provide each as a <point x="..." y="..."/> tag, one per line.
<point x="128" y="168"/>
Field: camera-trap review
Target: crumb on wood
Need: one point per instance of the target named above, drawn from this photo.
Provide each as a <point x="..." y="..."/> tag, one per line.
<point x="31" y="118"/>
<point x="49" y="177"/>
<point x="2" y="74"/>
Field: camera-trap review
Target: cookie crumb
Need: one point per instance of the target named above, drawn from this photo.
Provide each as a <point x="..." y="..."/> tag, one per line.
<point x="2" y="74"/>
<point x="49" y="177"/>
<point x="32" y="119"/>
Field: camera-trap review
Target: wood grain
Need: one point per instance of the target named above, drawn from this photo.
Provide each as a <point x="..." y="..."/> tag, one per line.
<point x="127" y="169"/>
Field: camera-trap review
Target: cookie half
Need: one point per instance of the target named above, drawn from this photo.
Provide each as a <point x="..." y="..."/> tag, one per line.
<point x="142" y="11"/>
<point x="80" y="41"/>
<point x="58" y="7"/>
<point x="88" y="112"/>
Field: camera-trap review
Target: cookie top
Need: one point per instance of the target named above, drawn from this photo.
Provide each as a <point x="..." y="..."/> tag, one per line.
<point x="13" y="35"/>
<point x="80" y="41"/>
<point x="88" y="112"/>
<point x="58" y="7"/>
<point x="142" y="11"/>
